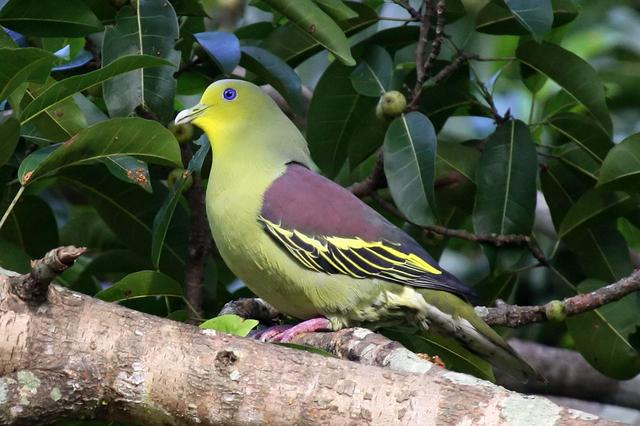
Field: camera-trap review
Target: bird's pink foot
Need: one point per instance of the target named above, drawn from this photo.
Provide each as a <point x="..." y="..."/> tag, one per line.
<point x="285" y="333"/>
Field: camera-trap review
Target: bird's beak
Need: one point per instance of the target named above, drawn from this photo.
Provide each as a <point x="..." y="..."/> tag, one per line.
<point x="190" y="114"/>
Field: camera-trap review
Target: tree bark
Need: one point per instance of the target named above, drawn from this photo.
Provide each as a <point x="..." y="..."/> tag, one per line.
<point x="78" y="357"/>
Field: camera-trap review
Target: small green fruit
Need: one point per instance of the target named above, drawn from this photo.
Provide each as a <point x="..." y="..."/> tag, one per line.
<point x="177" y="174"/>
<point x="555" y="311"/>
<point x="391" y="104"/>
<point x="182" y="132"/>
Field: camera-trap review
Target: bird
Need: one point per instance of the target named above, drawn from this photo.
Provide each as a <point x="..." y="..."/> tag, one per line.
<point x="312" y="249"/>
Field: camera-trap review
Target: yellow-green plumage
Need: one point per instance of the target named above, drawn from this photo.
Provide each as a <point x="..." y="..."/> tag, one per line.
<point x="309" y="272"/>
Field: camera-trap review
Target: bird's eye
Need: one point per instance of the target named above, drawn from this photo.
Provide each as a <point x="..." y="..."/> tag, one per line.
<point x="229" y="94"/>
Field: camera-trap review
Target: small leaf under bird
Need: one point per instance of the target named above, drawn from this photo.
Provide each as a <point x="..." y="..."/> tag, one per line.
<point x="311" y="248"/>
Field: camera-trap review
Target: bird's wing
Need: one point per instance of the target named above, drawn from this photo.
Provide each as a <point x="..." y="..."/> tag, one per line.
<point x="327" y="229"/>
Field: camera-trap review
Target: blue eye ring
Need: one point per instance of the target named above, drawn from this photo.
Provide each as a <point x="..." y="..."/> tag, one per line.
<point x="229" y="94"/>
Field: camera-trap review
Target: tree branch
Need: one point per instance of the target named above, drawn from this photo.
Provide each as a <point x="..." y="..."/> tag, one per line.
<point x="81" y="357"/>
<point x="200" y="243"/>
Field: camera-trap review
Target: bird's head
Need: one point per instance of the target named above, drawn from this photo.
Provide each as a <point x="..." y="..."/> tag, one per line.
<point x="228" y="103"/>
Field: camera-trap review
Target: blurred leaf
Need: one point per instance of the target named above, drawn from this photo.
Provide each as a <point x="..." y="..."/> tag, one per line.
<point x="129" y="212"/>
<point x="230" y="324"/>
<point x="222" y="47"/>
<point x="294" y="44"/>
<point x="195" y="164"/>
<point x="106" y="266"/>
<point x="32" y="227"/>
<point x="151" y="29"/>
<point x="372" y="76"/>
<point x="334" y="116"/>
<point x="126" y="136"/>
<point x="395" y="38"/>
<point x="277" y="73"/>
<point x="129" y="169"/>
<point x="9" y="136"/>
<point x="189" y="8"/>
<point x="602" y="335"/>
<point x="64" y="89"/>
<point x="463" y="159"/>
<point x="506" y="179"/>
<point x="621" y="167"/>
<point x="336" y="9"/>
<point x="12" y="258"/>
<point x="85" y="228"/>
<point x="584" y="132"/>
<point x="317" y="24"/>
<point x="22" y="65"/>
<point x="141" y="284"/>
<point x="409" y="164"/>
<point x="561" y="101"/>
<point x="575" y="76"/>
<point x="255" y="31"/>
<point x="455" y="10"/>
<point x="595" y="205"/>
<point x="50" y="18"/>
<point x="367" y="137"/>
<point x="496" y="17"/>
<point x="492" y="288"/>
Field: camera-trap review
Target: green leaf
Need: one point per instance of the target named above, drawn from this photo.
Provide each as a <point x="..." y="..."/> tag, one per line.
<point x="463" y="159"/>
<point x="294" y="44"/>
<point x="506" y="178"/>
<point x="163" y="218"/>
<point x="50" y="18"/>
<point x="9" y="136"/>
<point x="492" y="288"/>
<point x="18" y="66"/>
<point x="601" y="250"/>
<point x="129" y="169"/>
<point x="58" y="122"/>
<point x="334" y="117"/>
<point x="496" y="18"/>
<point x="595" y="205"/>
<point x="141" y="284"/>
<point x="579" y="160"/>
<point x="621" y="167"/>
<point x="584" y="132"/>
<point x="31" y="226"/>
<point x="277" y="73"/>
<point x="85" y="228"/>
<point x="372" y="76"/>
<point x="367" y="137"/>
<point x="129" y="212"/>
<point x="317" y="24"/>
<point x="222" y="47"/>
<point x="602" y="335"/>
<point x="151" y="29"/>
<point x="409" y="163"/>
<point x="336" y="9"/>
<point x="575" y="76"/>
<point x="12" y="258"/>
<point x="536" y="16"/>
<point x="64" y="89"/>
<point x="116" y="137"/>
<point x="230" y="324"/>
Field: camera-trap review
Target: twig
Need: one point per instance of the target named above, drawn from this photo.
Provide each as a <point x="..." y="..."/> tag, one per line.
<point x="421" y="46"/>
<point x="436" y="45"/>
<point x="517" y="316"/>
<point x="200" y="243"/>
<point x="33" y="287"/>
<point x="371" y="183"/>
<point x="405" y="4"/>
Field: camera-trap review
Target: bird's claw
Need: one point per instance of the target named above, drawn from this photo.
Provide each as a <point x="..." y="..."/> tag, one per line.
<point x="286" y="333"/>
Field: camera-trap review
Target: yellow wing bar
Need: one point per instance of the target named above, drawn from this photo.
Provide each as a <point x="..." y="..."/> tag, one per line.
<point x="354" y="257"/>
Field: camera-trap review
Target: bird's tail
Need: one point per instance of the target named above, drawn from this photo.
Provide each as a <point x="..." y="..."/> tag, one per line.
<point x="446" y="315"/>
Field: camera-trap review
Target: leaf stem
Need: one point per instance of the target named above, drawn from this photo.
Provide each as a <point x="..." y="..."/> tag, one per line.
<point x="11" y="206"/>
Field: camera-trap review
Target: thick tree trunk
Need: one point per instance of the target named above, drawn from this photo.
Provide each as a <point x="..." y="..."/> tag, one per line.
<point x="78" y="357"/>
